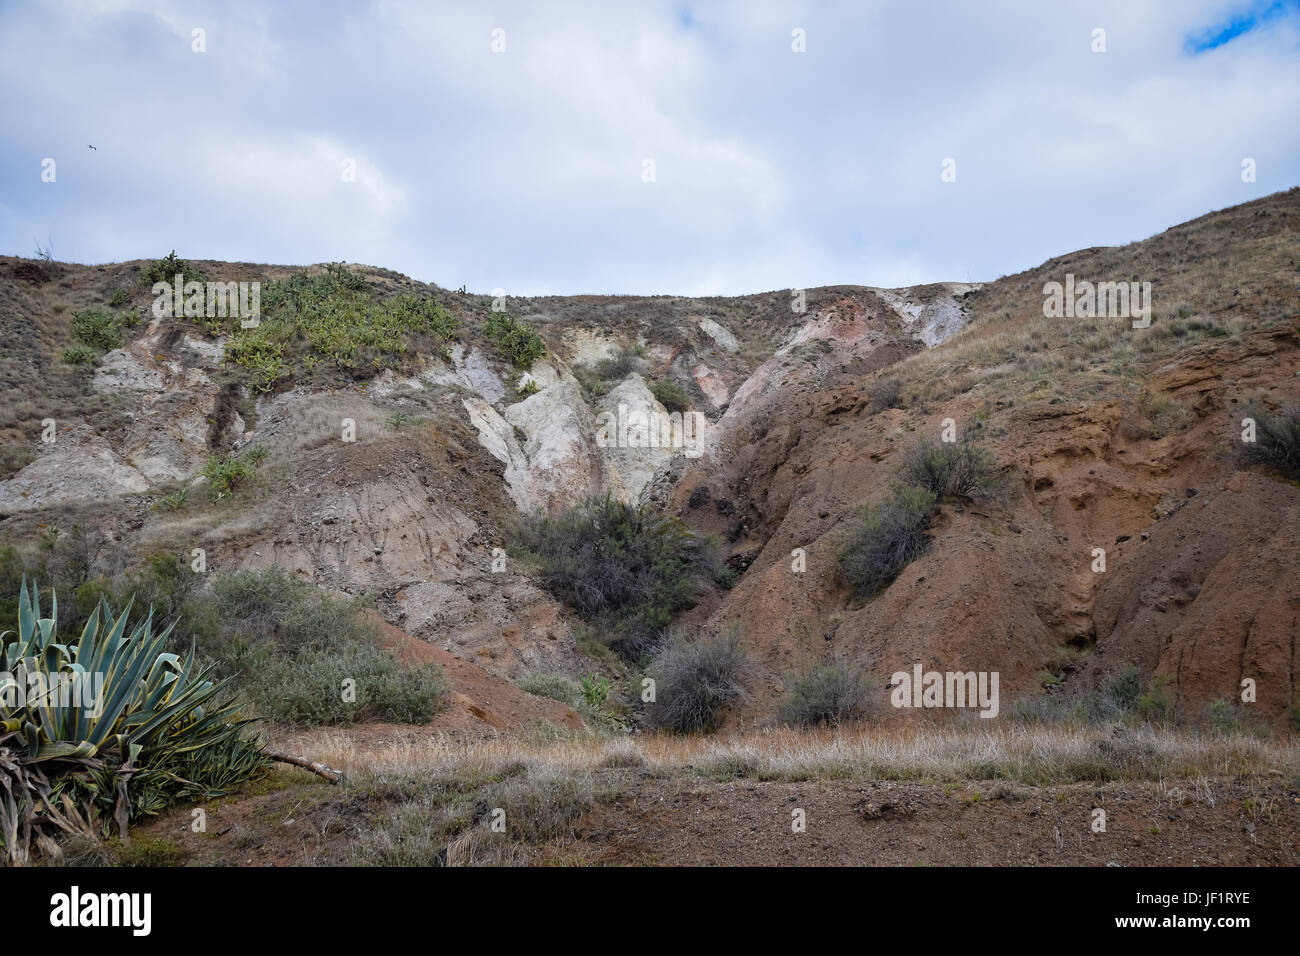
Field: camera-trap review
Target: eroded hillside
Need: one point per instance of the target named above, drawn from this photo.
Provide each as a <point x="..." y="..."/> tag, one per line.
<point x="396" y="464"/>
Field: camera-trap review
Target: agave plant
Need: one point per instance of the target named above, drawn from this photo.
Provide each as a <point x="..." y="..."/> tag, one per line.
<point x="112" y="719"/>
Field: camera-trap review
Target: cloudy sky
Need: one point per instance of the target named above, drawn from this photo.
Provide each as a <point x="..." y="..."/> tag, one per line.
<point x="526" y="167"/>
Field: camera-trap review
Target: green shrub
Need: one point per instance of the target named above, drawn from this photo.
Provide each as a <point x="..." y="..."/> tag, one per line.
<point x="517" y="341"/>
<point x="98" y="329"/>
<point x="627" y="568"/>
<point x="174" y="501"/>
<point x="889" y="537"/>
<point x="167" y="268"/>
<point x="117" y="298"/>
<point x="695" y="681"/>
<point x="1156" y="703"/>
<point x="553" y="686"/>
<point x="1277" y="439"/>
<point x="670" y="395"/>
<point x="228" y="472"/>
<point x="289" y="648"/>
<point x="960" y="469"/>
<point x="330" y="319"/>
<point x="594" y="690"/>
<point x="78" y="354"/>
<point x="826" y="693"/>
<point x="309" y="687"/>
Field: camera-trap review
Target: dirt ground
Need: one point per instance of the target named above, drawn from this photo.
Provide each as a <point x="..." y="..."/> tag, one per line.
<point x="297" y="820"/>
<point x="979" y="824"/>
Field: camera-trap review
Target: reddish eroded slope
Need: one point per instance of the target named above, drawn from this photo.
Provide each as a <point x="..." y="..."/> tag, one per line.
<point x="478" y="702"/>
<point x="1202" y="583"/>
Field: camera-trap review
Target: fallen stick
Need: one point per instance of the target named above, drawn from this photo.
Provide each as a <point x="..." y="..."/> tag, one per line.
<point x="320" y="769"/>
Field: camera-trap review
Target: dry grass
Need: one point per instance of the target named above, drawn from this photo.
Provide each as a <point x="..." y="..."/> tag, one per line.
<point x="1030" y="755"/>
<point x="1214" y="279"/>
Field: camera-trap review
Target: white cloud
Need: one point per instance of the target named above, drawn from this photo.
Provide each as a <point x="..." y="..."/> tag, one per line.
<point x="523" y="169"/>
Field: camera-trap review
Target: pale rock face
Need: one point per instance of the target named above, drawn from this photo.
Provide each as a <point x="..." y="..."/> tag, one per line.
<point x="554" y="465"/>
<point x="560" y="434"/>
<point x="498" y="437"/>
<point x="120" y="369"/>
<point x="629" y="469"/>
<point x="935" y="317"/>
<point x="167" y="440"/>
<point x="469" y="369"/>
<point x="719" y="334"/>
<point x="588" y="348"/>
<point x="388" y="383"/>
<point x="79" y="466"/>
<point x="212" y="354"/>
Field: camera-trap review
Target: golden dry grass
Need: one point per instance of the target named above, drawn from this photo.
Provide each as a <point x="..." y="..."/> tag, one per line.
<point x="1028" y="754"/>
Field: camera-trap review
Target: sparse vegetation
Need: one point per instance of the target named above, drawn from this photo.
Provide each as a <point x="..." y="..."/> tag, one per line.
<point x="670" y="395"/>
<point x="958" y="469"/>
<point x="1161" y="414"/>
<point x="517" y="341"/>
<point x="329" y="320"/>
<point x="1121" y="696"/>
<point x="627" y="569"/>
<point x="889" y="537"/>
<point x="695" y="681"/>
<point x="1277" y="439"/>
<point x="885" y="393"/>
<point x="829" y="693"/>
<point x="99" y="329"/>
<point x="174" y="501"/>
<point x="446" y="820"/>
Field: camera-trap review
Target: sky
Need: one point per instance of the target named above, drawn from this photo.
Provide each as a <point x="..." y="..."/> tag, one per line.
<point x="637" y="147"/>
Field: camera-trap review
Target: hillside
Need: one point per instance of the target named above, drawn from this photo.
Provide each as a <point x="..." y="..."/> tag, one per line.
<point x="1104" y="435"/>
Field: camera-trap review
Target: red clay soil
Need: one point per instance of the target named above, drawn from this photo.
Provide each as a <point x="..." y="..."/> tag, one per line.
<point x="479" y="702"/>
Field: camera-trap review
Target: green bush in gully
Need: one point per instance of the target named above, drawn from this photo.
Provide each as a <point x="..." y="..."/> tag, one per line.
<point x="159" y="731"/>
<point x="670" y="395"/>
<point x="517" y="341"/>
<point x="626" y="570"/>
<point x="889" y="537"/>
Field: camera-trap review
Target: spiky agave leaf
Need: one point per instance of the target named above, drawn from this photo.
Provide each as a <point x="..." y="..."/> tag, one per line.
<point x="158" y="730"/>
